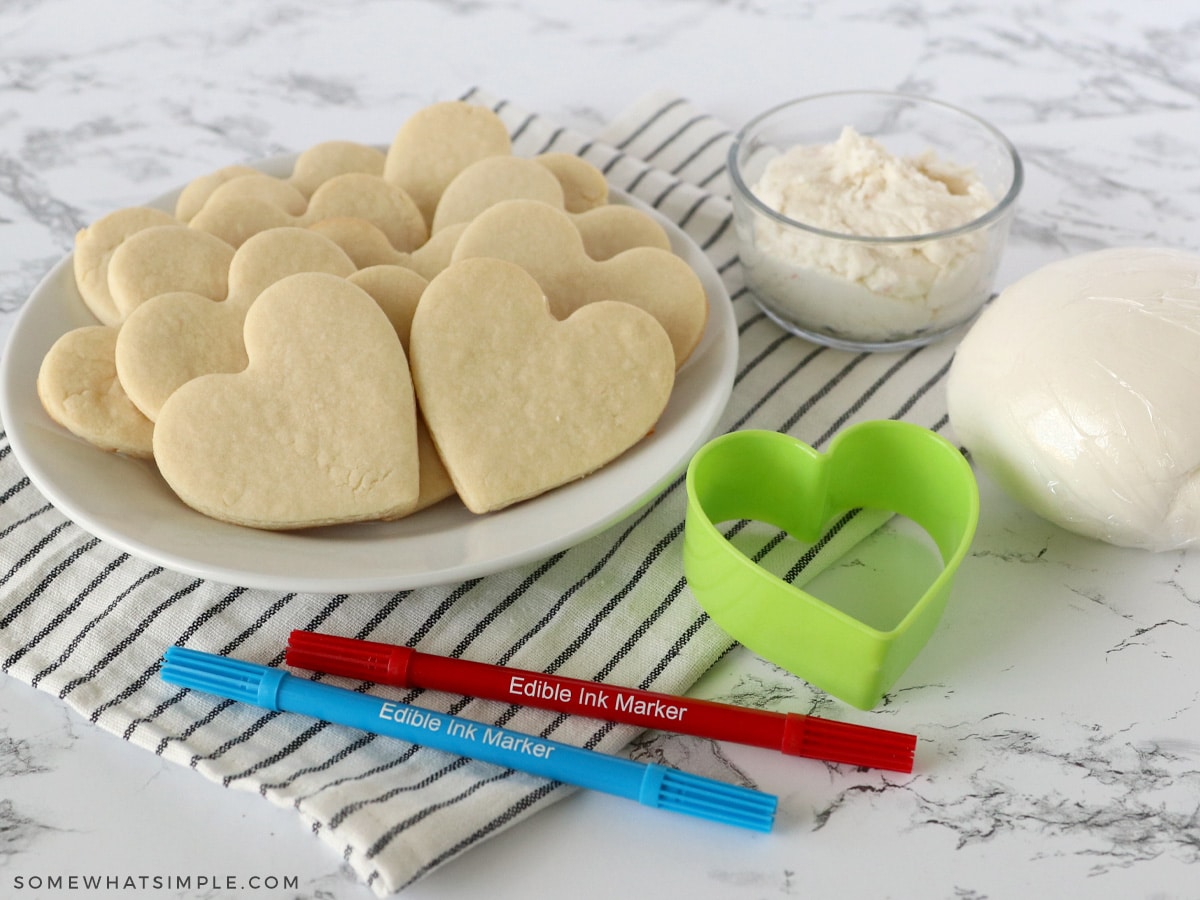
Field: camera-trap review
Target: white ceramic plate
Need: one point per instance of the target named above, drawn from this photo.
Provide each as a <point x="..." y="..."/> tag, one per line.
<point x="126" y="502"/>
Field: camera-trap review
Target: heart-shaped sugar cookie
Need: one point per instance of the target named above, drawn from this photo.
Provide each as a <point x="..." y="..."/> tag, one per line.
<point x="77" y="384"/>
<point x="436" y="143"/>
<point x="519" y="402"/>
<point x="235" y="215"/>
<point x="295" y="440"/>
<point x="312" y="168"/>
<point x="489" y="181"/>
<point x="176" y="336"/>
<point x="94" y="247"/>
<point x="560" y="180"/>
<point x="584" y="186"/>
<point x="329" y="159"/>
<point x="610" y="230"/>
<point x="277" y="192"/>
<point x="167" y="258"/>
<point x="197" y="191"/>
<point x="544" y="241"/>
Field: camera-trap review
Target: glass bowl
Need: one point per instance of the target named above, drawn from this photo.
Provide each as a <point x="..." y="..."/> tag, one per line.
<point x="883" y="229"/>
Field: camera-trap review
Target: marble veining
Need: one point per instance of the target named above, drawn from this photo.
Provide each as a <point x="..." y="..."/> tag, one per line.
<point x="17" y="756"/>
<point x="21" y="759"/>
<point x="17" y="831"/>
<point x="1095" y="794"/>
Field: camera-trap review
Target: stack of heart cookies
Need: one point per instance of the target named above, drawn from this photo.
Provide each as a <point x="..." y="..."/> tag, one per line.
<point x="377" y="331"/>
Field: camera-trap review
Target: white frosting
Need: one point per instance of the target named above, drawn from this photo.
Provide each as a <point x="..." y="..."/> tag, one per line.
<point x="855" y="186"/>
<point x="870" y="291"/>
<point x="1078" y="391"/>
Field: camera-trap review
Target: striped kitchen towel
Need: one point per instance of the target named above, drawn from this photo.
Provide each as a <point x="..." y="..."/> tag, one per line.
<point x="88" y="623"/>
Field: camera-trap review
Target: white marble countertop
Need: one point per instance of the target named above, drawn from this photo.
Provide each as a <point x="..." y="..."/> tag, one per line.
<point x="1061" y="748"/>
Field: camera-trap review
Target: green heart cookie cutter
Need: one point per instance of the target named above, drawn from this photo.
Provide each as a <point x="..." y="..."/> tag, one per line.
<point x="773" y="478"/>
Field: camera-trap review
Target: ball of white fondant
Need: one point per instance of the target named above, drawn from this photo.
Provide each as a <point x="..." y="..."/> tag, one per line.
<point x="1078" y="391"/>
